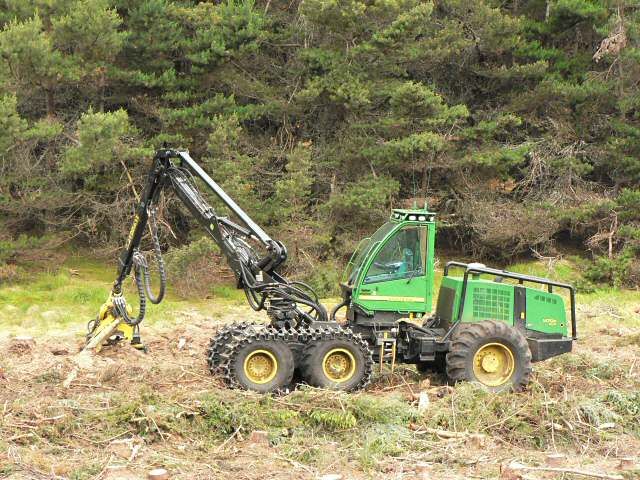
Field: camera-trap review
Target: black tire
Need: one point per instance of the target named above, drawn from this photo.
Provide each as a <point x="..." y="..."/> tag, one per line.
<point x="265" y="345"/>
<point x="494" y="338"/>
<point x="349" y="349"/>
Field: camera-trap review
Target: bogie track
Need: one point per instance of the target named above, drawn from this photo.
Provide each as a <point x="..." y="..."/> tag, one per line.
<point x="221" y="340"/>
<point x="263" y="358"/>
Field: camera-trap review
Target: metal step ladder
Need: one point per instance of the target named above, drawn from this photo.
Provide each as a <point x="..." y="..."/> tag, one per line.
<point x="387" y="352"/>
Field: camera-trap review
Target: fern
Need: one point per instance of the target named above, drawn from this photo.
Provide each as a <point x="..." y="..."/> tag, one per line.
<point x="333" y="420"/>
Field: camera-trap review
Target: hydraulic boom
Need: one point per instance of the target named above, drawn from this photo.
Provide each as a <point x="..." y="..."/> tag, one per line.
<point x="255" y="274"/>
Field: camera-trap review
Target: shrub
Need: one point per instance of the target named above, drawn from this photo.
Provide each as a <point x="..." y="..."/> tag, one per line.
<point x="15" y="251"/>
<point x="194" y="268"/>
<point x="333" y="420"/>
<point x="620" y="270"/>
<point x="11" y="250"/>
<point x="324" y="278"/>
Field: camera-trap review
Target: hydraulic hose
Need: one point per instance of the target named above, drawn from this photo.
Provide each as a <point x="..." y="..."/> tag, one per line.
<point x="157" y="253"/>
<point x="119" y="302"/>
<point x="334" y="310"/>
<point x="416" y="327"/>
<point x="143" y="279"/>
<point x="287" y="291"/>
<point x="250" y="291"/>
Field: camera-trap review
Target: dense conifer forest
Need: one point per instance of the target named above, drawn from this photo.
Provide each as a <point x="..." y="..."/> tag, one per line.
<point x="518" y="121"/>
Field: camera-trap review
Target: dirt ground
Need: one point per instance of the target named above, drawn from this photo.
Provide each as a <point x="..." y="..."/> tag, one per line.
<point x="129" y="412"/>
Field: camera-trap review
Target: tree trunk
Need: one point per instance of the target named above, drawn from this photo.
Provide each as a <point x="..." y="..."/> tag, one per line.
<point x="51" y="105"/>
<point x="102" y="86"/>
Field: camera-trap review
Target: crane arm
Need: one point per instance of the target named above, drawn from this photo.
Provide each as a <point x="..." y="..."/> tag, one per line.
<point x="287" y="303"/>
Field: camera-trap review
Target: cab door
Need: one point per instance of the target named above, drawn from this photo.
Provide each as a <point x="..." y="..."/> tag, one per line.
<point x="396" y="279"/>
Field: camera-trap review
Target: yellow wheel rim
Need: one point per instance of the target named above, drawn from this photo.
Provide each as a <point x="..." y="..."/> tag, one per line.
<point x="493" y="364"/>
<point x="260" y="366"/>
<point x="339" y="365"/>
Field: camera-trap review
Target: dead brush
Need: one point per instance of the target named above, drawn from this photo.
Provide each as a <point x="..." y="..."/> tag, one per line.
<point x="193" y="268"/>
<point x="534" y="419"/>
<point x="629" y="340"/>
<point x="613" y="44"/>
<point x="583" y="370"/>
<point x="110" y="373"/>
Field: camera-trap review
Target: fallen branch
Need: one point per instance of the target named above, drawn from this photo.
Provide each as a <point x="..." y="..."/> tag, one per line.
<point x="296" y="464"/>
<point x="83" y="358"/>
<point x="50" y="419"/>
<point x="572" y="471"/>
<point x="18" y="437"/>
<point x="70" y="378"/>
<point x="417" y="429"/>
<point x="223" y="444"/>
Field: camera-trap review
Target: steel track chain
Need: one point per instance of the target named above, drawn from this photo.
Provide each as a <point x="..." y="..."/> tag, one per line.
<point x="341" y="333"/>
<point x="221" y="341"/>
<point x="230" y="339"/>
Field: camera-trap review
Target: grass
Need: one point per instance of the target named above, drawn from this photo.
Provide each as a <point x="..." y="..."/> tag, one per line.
<point x="54" y="301"/>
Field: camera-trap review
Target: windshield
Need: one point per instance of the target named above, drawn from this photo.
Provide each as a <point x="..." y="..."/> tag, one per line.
<point x="402" y="256"/>
<point x="366" y="245"/>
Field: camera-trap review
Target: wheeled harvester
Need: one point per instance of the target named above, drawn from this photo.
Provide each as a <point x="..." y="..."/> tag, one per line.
<point x="489" y="325"/>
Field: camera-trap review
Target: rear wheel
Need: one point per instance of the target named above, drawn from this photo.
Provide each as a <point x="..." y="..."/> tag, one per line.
<point x="491" y="353"/>
<point x="337" y="359"/>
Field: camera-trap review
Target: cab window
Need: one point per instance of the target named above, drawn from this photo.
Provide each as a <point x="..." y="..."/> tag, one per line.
<point x="403" y="256"/>
<point x="366" y="246"/>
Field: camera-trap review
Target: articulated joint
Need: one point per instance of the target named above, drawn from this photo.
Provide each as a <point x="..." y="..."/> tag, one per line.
<point x="277" y="256"/>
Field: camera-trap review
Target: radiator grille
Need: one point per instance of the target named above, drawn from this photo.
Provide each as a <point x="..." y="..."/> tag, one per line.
<point x="492" y="303"/>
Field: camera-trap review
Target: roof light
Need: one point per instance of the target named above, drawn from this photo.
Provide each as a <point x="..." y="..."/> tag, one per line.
<point x="422" y="218"/>
<point x="412" y="217"/>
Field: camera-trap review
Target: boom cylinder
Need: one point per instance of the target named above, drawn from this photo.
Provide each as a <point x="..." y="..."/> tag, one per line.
<point x="150" y="194"/>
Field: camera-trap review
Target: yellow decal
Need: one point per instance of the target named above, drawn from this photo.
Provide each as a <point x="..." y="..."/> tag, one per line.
<point x="136" y="220"/>
<point x="383" y="298"/>
<point x="552" y="322"/>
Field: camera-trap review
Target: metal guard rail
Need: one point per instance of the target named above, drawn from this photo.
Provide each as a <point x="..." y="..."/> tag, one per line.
<point x="477" y="269"/>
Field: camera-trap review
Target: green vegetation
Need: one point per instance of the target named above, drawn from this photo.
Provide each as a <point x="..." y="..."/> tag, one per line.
<point x="314" y="426"/>
<point x="69" y="296"/>
<point x="518" y="121"/>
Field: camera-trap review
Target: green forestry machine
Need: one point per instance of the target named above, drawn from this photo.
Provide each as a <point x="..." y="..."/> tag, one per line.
<point x="488" y="327"/>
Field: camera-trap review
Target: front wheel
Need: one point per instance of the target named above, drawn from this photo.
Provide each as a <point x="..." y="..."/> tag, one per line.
<point x="258" y="360"/>
<point x="491" y="353"/>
